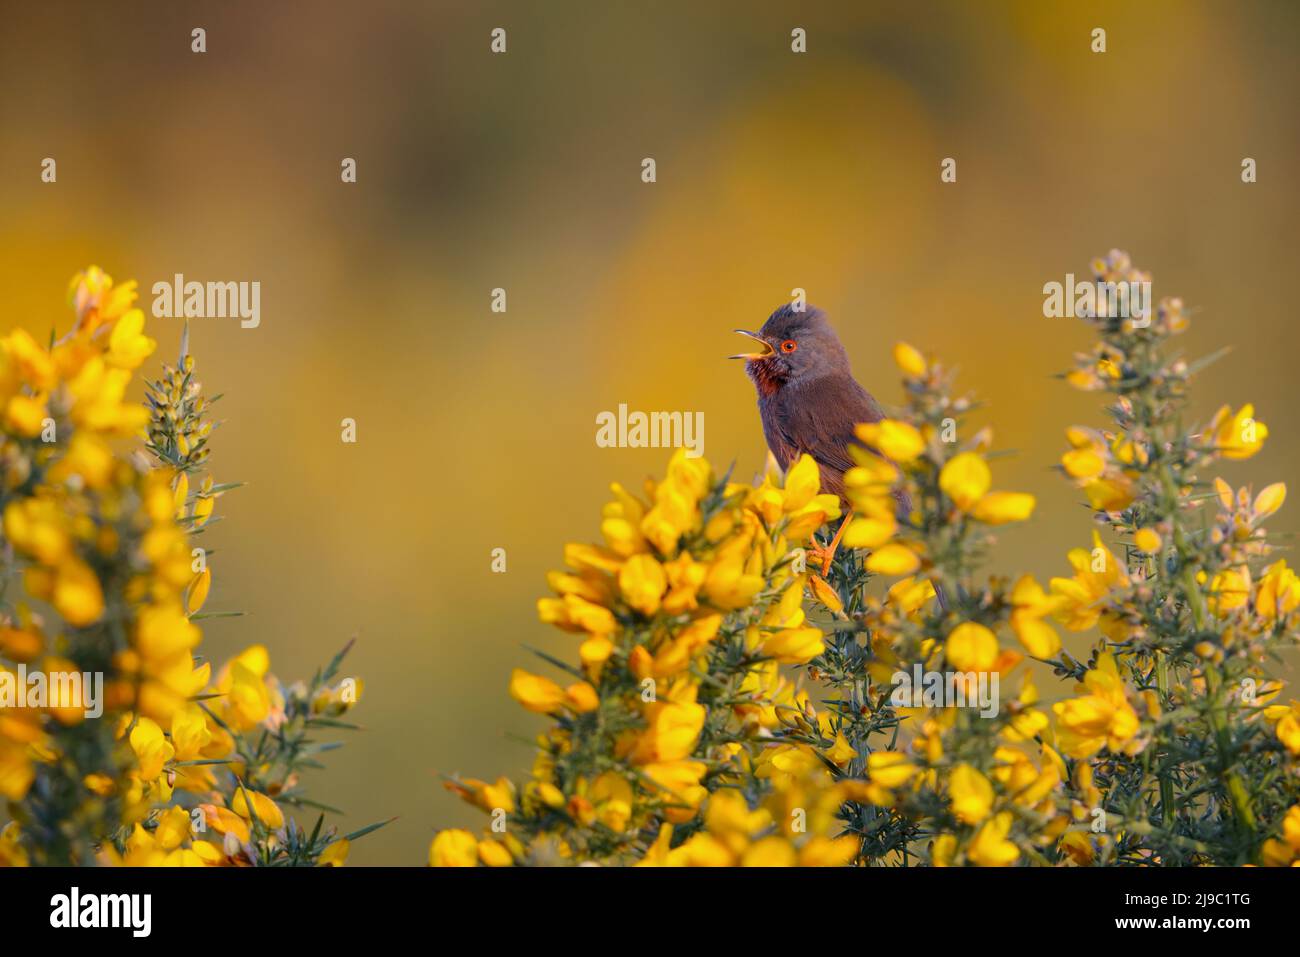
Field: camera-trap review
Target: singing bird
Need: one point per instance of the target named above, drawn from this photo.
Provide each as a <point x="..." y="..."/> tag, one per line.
<point x="809" y="401"/>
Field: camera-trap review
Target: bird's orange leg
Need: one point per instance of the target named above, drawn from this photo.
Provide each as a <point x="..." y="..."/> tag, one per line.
<point x="826" y="554"/>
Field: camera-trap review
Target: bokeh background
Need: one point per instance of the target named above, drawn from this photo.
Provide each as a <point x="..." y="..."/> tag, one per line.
<point x="775" y="170"/>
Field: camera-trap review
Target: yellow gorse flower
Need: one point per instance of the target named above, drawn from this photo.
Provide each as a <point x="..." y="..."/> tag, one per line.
<point x="735" y="709"/>
<point x="101" y="534"/>
<point x="909" y="360"/>
<point x="971" y="647"/>
<point x="971" y="794"/>
<point x="964" y="479"/>
<point x="897" y="441"/>
<point x="1102" y="717"/>
<point x="1278" y="594"/>
<point x="1082" y="598"/>
<point x="1236" y="435"/>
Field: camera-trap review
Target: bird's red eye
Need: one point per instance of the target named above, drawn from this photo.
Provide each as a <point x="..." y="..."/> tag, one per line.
<point x="789" y="345"/>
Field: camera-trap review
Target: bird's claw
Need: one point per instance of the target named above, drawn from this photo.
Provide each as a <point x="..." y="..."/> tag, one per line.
<point x="821" y="555"/>
<point x="826" y="553"/>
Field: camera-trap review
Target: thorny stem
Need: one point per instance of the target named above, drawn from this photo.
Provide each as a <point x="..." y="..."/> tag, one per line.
<point x="1238" y="797"/>
<point x="1167" y="808"/>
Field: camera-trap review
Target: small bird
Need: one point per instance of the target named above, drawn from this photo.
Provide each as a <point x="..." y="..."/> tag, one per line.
<point x="809" y="401"/>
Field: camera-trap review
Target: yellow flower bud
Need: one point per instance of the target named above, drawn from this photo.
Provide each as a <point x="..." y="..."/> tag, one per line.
<point x="909" y="360"/>
<point x="794" y="646"/>
<point x="971" y="794"/>
<point x="534" y="692"/>
<point x="336" y="854"/>
<point x="1270" y="499"/>
<point x="642" y="583"/>
<point x="998" y="508"/>
<point x="264" y="808"/>
<point x="895" y="440"/>
<point x="971" y="647"/>
<point x="893" y="559"/>
<point x="964" y="479"/>
<point x="889" y="768"/>
<point x="582" y="697"/>
<point x="1147" y="541"/>
<point x="453" y="848"/>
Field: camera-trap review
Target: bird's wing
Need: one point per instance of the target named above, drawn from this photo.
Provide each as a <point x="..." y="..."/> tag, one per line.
<point x="820" y="417"/>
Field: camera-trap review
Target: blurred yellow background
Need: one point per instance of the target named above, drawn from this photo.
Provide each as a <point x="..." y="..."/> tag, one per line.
<point x="476" y="430"/>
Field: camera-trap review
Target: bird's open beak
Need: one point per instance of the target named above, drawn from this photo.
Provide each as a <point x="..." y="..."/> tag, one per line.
<point x="767" y="348"/>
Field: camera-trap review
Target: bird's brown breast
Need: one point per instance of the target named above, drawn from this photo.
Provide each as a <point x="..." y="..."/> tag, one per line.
<point x="817" y="417"/>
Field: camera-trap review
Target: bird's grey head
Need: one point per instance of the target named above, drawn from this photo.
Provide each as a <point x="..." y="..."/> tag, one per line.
<point x="794" y="346"/>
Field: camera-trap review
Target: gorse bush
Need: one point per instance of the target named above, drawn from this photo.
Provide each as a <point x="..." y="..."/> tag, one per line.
<point x="118" y="744"/>
<point x="725" y="705"/>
